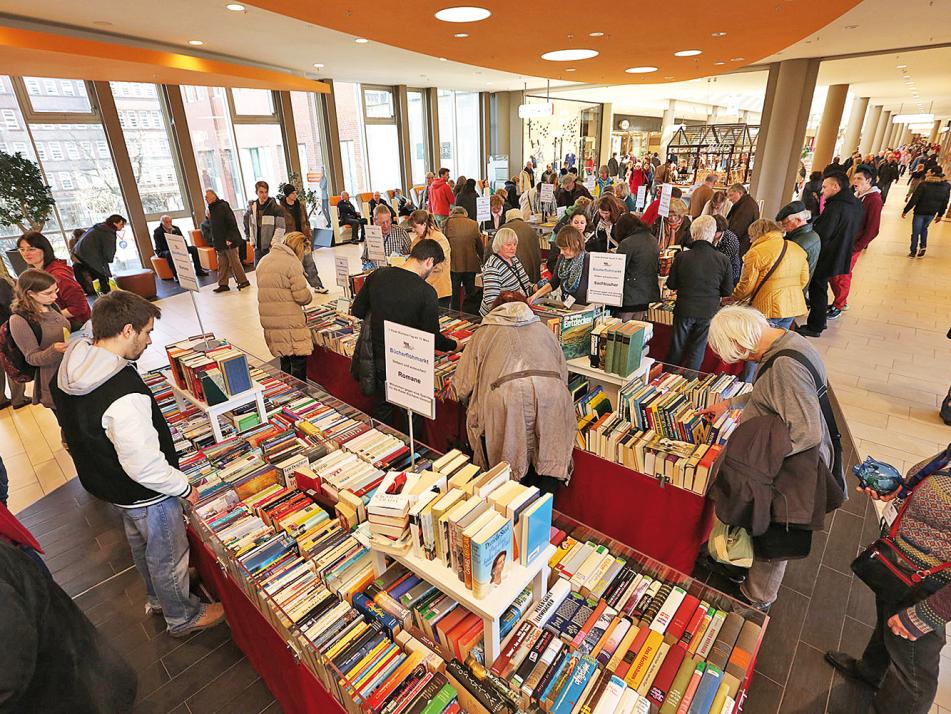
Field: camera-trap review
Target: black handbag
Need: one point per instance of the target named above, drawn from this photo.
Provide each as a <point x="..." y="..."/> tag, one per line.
<point x="780" y="542"/>
<point x="891" y="575"/>
<point x="362" y="366"/>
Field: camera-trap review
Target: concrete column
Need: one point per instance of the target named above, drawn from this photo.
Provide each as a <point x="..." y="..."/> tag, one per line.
<point x="889" y="134"/>
<point x="905" y="135"/>
<point x="883" y="124"/>
<point x="667" y="128"/>
<point x="895" y="135"/>
<point x="829" y="124"/>
<point x="934" y="131"/>
<point x="789" y="91"/>
<point x="850" y="142"/>
<point x="604" y="145"/>
<point x="868" y="128"/>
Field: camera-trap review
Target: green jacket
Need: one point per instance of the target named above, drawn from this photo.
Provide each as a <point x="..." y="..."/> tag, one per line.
<point x="809" y="241"/>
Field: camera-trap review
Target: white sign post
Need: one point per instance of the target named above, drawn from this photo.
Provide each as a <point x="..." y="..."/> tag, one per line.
<point x="483" y="212"/>
<point x="641" y="202"/>
<point x="606" y="278"/>
<point x="663" y="209"/>
<point x="547" y="194"/>
<point x="410" y="366"/>
<point x="185" y="269"/>
<point x="376" y="248"/>
<point x="342" y="266"/>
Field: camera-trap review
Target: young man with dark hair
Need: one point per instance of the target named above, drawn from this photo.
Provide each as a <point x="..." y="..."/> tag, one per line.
<point x="124" y="453"/>
<point x="402" y="295"/>
<point x="441" y="197"/>
<point x="263" y="220"/>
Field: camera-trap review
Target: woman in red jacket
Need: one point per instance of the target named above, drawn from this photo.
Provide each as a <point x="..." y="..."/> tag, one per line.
<point x="38" y="253"/>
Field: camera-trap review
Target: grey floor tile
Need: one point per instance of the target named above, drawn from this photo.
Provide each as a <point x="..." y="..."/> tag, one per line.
<point x="861" y="603"/>
<point x="764" y="695"/>
<point x="843" y="543"/>
<point x="801" y="574"/>
<point x="785" y="623"/>
<point x="823" y="625"/>
<point x="807" y="688"/>
<point x="197" y="647"/>
<point x="218" y="693"/>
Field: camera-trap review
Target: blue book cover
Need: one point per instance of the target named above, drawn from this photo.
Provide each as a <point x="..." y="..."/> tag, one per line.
<point x="411" y="582"/>
<point x="706" y="690"/>
<point x="536" y="529"/>
<point x="237" y="374"/>
<point x="371" y="609"/>
<point x="570" y="694"/>
<point x="491" y="551"/>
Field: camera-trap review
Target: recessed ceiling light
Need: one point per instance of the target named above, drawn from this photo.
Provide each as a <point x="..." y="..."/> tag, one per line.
<point x="317" y="65"/>
<point x="669" y="76"/>
<point x="488" y="82"/>
<point x="361" y="40"/>
<point x="719" y="63"/>
<point x="461" y="35"/>
<point x="737" y="59"/>
<point x="102" y="23"/>
<point x="443" y="59"/>
<point x="640" y="70"/>
<point x="851" y="27"/>
<point x="688" y="53"/>
<point x="570" y="69"/>
<point x="569" y="55"/>
<point x="901" y="66"/>
<point x="234" y="7"/>
<point x="595" y="34"/>
<point x="196" y="43"/>
<point x="718" y="34"/>
<point x="463" y="14"/>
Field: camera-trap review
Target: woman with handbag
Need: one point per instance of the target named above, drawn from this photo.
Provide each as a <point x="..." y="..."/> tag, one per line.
<point x="909" y="570"/>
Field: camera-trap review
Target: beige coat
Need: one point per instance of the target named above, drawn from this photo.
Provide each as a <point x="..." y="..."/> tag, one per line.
<point x="781" y="295"/>
<point x="525" y="420"/>
<point x="440" y="278"/>
<point x="466" y="244"/>
<point x="282" y="291"/>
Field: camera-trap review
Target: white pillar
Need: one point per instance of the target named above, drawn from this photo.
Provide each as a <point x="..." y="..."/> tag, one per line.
<point x="850" y="142"/>
<point x="829" y="124"/>
<point x="883" y="124"/>
<point x="868" y="129"/>
<point x="934" y="131"/>
<point x="667" y="128"/>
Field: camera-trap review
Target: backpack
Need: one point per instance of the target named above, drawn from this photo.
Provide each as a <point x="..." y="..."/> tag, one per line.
<point x="11" y="356"/>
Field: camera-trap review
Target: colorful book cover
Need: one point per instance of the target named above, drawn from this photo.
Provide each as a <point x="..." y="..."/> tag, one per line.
<point x="536" y="527"/>
<point x="491" y="550"/>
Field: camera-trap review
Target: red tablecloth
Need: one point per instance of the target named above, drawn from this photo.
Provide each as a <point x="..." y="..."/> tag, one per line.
<point x="291" y="683"/>
<point x="660" y="346"/>
<point x="669" y="524"/>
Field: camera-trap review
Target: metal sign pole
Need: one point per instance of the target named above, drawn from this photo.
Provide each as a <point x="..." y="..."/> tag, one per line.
<point x="412" y="440"/>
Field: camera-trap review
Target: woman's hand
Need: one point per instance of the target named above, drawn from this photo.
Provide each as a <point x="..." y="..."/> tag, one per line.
<point x="875" y="496"/>
<point x="715" y="411"/>
<point x="59" y="347"/>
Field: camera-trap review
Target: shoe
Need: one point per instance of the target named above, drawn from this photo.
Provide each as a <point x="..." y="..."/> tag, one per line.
<point x="912" y="254"/>
<point x="850" y="667"/>
<point x="245" y="284"/>
<point x="833" y="313"/>
<point x="744" y="598"/>
<point x="5" y="403"/>
<point x="321" y="291"/>
<point x="202" y="273"/>
<point x="845" y="307"/>
<point x="921" y="253"/>
<point x="221" y="289"/>
<point x="807" y="332"/>
<point x="213" y="614"/>
<point x="151" y="609"/>
<point x="21" y="405"/>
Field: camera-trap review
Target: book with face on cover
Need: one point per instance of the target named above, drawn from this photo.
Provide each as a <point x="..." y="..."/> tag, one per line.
<point x="491" y="551"/>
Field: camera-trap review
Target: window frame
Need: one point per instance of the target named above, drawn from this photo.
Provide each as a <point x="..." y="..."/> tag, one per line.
<point x="30" y="115"/>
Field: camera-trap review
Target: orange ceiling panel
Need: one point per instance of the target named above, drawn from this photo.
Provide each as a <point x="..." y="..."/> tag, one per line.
<point x="44" y="54"/>
<point x="635" y="34"/>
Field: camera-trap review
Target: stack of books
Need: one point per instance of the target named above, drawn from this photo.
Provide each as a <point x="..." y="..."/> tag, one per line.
<point x="619" y="347"/>
<point x="661" y="312"/>
<point x="572" y="327"/>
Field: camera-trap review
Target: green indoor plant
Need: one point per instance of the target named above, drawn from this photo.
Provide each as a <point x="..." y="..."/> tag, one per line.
<point x="26" y="201"/>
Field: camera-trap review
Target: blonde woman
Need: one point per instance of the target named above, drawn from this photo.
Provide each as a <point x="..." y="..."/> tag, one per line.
<point x="282" y="293"/>
<point x="423" y="226"/>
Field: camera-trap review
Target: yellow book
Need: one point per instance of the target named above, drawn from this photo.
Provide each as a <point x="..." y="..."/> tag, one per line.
<point x="341" y="644"/>
<point x="643" y="660"/>
<point x="655" y="664"/>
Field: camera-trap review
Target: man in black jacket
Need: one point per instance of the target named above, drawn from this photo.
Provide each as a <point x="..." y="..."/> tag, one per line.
<point x="161" y="246"/>
<point x="227" y="240"/>
<point x="701" y="275"/>
<point x="837" y="227"/>
<point x="402" y="295"/>
<point x="347" y="215"/>
<point x="929" y="202"/>
<point x="887" y="175"/>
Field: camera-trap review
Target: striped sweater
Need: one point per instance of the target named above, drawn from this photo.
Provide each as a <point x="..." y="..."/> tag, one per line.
<point x="925" y="537"/>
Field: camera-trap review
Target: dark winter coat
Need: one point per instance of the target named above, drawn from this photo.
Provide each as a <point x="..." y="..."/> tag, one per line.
<point x="97" y="248"/>
<point x="741" y="215"/>
<point x="467" y="199"/>
<point x="930" y="198"/>
<point x="640" y="269"/>
<point x="224" y="226"/>
<point x="837" y="226"/>
<point x="887" y="174"/>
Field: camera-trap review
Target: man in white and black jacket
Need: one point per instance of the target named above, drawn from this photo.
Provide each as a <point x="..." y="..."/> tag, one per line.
<point x="124" y="453"/>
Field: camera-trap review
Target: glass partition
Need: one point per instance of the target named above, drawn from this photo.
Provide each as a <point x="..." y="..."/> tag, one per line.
<point x="350" y="130"/>
<point x="418" y="125"/>
<point x="209" y="124"/>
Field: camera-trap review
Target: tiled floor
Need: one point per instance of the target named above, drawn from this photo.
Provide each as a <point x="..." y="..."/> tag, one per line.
<point x="888" y="361"/>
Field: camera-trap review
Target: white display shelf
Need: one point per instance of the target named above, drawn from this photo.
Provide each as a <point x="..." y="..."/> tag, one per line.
<point x="491" y="607"/>
<point x="582" y="365"/>
<point x="214" y="412"/>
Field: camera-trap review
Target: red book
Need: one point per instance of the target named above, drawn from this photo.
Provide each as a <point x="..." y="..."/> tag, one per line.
<point x="687" y="637"/>
<point x="589" y="623"/>
<point x="447" y="623"/>
<point x="665" y="675"/>
<point x="632" y="651"/>
<point x="461" y="632"/>
<point x="682" y="618"/>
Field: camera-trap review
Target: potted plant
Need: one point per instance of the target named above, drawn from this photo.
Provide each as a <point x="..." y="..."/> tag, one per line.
<point x="26" y="201"/>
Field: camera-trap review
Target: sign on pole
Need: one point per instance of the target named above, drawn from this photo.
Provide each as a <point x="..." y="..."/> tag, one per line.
<point x="410" y="365"/>
<point x="664" y="208"/>
<point x="183" y="262"/>
<point x="641" y="201"/>
<point x="606" y="278"/>
<point x="342" y="266"/>
<point x="548" y="193"/>
<point x="483" y="212"/>
<point x="376" y="248"/>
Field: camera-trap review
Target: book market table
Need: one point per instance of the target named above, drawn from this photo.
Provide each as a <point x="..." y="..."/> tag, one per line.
<point x="214" y="411"/>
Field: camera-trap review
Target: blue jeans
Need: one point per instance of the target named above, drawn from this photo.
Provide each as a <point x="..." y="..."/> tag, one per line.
<point x="4" y="483"/>
<point x="688" y="341"/>
<point x="919" y="231"/>
<point x="782" y="322"/>
<point x="159" y="545"/>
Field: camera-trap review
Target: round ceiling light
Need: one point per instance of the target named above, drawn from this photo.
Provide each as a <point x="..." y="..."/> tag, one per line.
<point x="463" y="14"/>
<point x="719" y="63"/>
<point x="195" y="43"/>
<point x="569" y="55"/>
<point x="234" y="7"/>
<point x="443" y="59"/>
<point x="570" y="69"/>
<point x="595" y="34"/>
<point x="737" y="59"/>
<point x="640" y="70"/>
<point x="461" y="35"/>
<point x="718" y="34"/>
<point x="317" y="65"/>
<point x="900" y="66"/>
<point x="361" y="40"/>
<point x="688" y="53"/>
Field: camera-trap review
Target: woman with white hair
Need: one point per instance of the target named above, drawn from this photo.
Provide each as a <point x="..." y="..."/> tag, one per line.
<point x="787" y="390"/>
<point x="503" y="271"/>
<point x="702" y="276"/>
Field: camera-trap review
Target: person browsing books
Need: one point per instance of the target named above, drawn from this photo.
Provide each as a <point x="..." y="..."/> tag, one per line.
<point x="125" y="454"/>
<point x="514" y="376"/>
<point x="402" y="295"/>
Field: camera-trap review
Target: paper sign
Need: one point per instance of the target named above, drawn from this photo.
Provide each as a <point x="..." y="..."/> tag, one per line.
<point x="548" y="193"/>
<point x="483" y="212"/>
<point x="343" y="306"/>
<point x="342" y="266"/>
<point x="606" y="278"/>
<point x="410" y="362"/>
<point x="641" y="201"/>
<point x="589" y="184"/>
<point x="183" y="262"/>
<point x="376" y="248"/>
<point x="664" y="207"/>
<point x="560" y="211"/>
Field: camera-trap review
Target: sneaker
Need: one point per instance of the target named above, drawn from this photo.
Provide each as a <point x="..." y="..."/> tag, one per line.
<point x="22" y="404"/>
<point x="151" y="609"/>
<point x="912" y="254"/>
<point x="921" y="253"/>
<point x="851" y="668"/>
<point x="744" y="598"/>
<point x="212" y="614"/>
<point x="245" y="284"/>
<point x="221" y="289"/>
<point x="845" y="307"/>
<point x="833" y="313"/>
<point x="807" y="331"/>
<point x="321" y="291"/>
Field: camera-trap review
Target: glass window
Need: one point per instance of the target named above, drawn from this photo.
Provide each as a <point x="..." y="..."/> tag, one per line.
<point x="308" y="112"/>
<point x="383" y="144"/>
<point x="447" y="134"/>
<point x="418" y="136"/>
<point x="351" y="132"/>
<point x="261" y="148"/>
<point x="253" y="102"/>
<point x="209" y="124"/>
<point x="468" y="134"/>
<point x="52" y="101"/>
<point x="378" y="103"/>
<point x="10" y="119"/>
<point x="155" y="168"/>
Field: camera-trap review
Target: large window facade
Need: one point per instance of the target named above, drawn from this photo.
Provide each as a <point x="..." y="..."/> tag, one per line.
<point x="349" y="105"/>
<point x="460" y="150"/>
<point x="417" y="121"/>
<point x="383" y="141"/>
<point x="212" y="135"/>
<point x="311" y="140"/>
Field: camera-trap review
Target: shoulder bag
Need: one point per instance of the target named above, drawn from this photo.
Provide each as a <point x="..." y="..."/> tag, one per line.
<point x="749" y="300"/>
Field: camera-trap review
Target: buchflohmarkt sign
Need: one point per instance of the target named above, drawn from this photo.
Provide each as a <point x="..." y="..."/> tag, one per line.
<point x="410" y="364"/>
<point x="606" y="278"/>
<point x="184" y="266"/>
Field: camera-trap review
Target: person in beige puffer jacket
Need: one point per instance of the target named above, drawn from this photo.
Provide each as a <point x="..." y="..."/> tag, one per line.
<point x="282" y="293"/>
